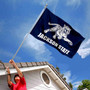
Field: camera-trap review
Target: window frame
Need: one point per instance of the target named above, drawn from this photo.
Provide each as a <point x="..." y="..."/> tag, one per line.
<point x="48" y="85"/>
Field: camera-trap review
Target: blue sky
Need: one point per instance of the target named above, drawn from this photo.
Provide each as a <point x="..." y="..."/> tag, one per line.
<point x="16" y="20"/>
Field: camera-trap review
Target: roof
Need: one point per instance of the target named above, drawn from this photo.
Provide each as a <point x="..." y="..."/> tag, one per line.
<point x="34" y="64"/>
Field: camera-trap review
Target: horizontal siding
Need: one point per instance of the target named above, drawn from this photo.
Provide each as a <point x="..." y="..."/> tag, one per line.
<point x="3" y="83"/>
<point x="33" y="81"/>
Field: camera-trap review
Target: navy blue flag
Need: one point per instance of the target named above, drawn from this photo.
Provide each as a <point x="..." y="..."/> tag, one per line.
<point x="57" y="33"/>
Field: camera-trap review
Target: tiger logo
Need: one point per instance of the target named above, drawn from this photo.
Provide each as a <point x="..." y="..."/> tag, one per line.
<point x="60" y="32"/>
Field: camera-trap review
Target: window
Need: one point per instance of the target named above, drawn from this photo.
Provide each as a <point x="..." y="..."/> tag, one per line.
<point x="45" y="78"/>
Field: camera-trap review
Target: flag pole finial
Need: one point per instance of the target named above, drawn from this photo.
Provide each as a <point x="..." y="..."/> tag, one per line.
<point x="46" y="5"/>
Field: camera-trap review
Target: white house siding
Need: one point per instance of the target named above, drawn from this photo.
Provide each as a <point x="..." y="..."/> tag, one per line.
<point x="33" y="81"/>
<point x="3" y="83"/>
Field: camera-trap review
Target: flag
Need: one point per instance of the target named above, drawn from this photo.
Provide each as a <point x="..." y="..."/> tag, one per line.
<point x="56" y="32"/>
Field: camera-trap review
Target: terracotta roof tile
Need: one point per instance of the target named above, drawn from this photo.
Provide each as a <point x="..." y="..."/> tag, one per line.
<point x="8" y="65"/>
<point x="29" y="64"/>
<point x="41" y="63"/>
<point x="45" y="63"/>
<point x="23" y="64"/>
<point x="38" y="63"/>
<point x="19" y="65"/>
<point x="34" y="63"/>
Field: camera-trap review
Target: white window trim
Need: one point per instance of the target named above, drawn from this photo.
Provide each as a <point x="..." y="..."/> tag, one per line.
<point x="48" y="85"/>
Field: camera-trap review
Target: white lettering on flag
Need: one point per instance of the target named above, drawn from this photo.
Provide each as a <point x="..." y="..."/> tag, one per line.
<point x="60" y="47"/>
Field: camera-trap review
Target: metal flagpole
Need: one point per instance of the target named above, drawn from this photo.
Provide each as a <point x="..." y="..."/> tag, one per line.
<point x="30" y="30"/>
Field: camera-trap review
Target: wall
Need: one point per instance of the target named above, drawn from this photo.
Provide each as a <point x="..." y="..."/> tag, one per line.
<point x="3" y="83"/>
<point x="33" y="80"/>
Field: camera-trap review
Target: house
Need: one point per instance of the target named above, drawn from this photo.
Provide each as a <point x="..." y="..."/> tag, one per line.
<point x="38" y="75"/>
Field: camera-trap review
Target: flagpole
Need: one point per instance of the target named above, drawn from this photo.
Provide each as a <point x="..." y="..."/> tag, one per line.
<point x="30" y="31"/>
<point x="38" y="17"/>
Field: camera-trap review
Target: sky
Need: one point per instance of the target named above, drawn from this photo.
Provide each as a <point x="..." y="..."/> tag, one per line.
<point x="16" y="20"/>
